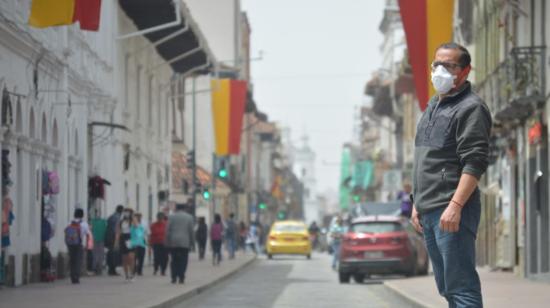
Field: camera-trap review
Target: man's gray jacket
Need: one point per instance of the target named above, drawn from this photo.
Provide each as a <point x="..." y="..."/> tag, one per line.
<point x="452" y="138"/>
<point x="179" y="230"/>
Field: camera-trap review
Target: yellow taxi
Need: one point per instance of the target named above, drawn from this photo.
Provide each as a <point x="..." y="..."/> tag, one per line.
<point x="288" y="238"/>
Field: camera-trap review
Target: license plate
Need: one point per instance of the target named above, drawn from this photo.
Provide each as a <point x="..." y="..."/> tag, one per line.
<point x="374" y="254"/>
<point x="289" y="239"/>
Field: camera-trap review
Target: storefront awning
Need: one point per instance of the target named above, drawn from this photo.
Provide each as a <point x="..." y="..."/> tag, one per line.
<point x="189" y="46"/>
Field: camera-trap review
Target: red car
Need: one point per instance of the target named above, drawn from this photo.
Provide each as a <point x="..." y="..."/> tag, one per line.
<point x="381" y="245"/>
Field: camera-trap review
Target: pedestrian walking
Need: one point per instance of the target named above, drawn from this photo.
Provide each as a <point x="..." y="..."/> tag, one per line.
<point x="253" y="238"/>
<point x="179" y="238"/>
<point x="404" y="197"/>
<point x="156" y="240"/>
<point x="230" y="235"/>
<point x="113" y="254"/>
<point x="201" y="236"/>
<point x="76" y="238"/>
<point x="336" y="234"/>
<point x="243" y="231"/>
<point x="451" y="154"/>
<point x="314" y="234"/>
<point x="99" y="229"/>
<point x="124" y="242"/>
<point x="216" y="237"/>
<point x="138" y="236"/>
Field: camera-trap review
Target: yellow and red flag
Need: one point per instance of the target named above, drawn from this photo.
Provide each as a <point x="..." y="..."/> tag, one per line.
<point x="228" y="104"/>
<point x="51" y="13"/>
<point x="427" y="24"/>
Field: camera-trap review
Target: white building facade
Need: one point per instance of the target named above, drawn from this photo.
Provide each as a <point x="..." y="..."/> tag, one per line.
<point x="84" y="105"/>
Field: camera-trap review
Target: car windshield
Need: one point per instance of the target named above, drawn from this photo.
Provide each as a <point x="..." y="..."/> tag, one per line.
<point x="289" y="228"/>
<point x="376" y="227"/>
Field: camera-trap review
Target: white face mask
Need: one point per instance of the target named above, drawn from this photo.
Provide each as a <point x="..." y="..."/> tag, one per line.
<point x="442" y="80"/>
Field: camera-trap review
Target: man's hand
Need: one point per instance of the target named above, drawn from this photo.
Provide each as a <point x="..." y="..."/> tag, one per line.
<point x="450" y="219"/>
<point x="415" y="221"/>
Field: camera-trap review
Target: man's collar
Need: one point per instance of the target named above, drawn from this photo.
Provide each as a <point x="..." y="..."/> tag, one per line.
<point x="465" y="87"/>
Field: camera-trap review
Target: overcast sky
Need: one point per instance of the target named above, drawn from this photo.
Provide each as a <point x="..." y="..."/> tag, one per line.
<point x="318" y="55"/>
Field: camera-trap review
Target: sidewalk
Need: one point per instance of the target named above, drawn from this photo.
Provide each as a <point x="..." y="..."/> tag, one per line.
<point x="500" y="289"/>
<point x="147" y="291"/>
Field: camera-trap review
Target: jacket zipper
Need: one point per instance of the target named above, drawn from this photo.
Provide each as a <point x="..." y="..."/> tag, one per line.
<point x="444" y="177"/>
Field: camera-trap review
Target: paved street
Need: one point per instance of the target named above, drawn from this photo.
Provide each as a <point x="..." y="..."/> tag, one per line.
<point x="147" y="291"/>
<point x="293" y="282"/>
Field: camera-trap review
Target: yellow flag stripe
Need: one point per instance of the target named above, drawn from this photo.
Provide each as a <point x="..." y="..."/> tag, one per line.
<point x="220" y="112"/>
<point x="49" y="13"/>
<point x="440" y="29"/>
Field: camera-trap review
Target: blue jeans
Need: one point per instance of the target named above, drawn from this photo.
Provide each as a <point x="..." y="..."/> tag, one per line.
<point x="230" y="242"/>
<point x="335" y="254"/>
<point x="453" y="256"/>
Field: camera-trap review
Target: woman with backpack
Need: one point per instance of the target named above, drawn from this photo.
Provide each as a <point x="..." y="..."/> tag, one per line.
<point x="124" y="243"/>
<point x="216" y="236"/>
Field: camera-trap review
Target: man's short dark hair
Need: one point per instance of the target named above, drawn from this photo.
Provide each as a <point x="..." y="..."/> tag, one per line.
<point x="78" y="213"/>
<point x="232" y="215"/>
<point x="464" y="60"/>
<point x="180" y="206"/>
<point x="119" y="208"/>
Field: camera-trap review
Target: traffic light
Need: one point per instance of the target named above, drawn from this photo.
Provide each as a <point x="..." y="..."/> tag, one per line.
<point x="222" y="170"/>
<point x="190" y="159"/>
<point x="262" y="206"/>
<point x="281" y="215"/>
<point x="206" y="193"/>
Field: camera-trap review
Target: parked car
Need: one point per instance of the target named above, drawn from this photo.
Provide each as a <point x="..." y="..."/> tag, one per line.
<point x="381" y="245"/>
<point x="288" y="237"/>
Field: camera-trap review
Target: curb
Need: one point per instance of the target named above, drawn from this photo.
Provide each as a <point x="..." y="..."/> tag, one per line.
<point x="414" y="302"/>
<point x="200" y="289"/>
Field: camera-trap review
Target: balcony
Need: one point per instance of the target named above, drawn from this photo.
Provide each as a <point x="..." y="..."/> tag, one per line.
<point x="517" y="86"/>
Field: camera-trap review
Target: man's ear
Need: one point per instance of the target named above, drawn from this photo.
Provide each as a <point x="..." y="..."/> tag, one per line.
<point x="466" y="71"/>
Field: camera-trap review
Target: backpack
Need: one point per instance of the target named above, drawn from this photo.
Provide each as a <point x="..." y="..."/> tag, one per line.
<point x="72" y="234"/>
<point x="230" y="228"/>
<point x="216" y="232"/>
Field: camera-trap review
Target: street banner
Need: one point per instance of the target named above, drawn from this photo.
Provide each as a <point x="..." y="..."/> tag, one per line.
<point x="427" y="24"/>
<point x="228" y="104"/>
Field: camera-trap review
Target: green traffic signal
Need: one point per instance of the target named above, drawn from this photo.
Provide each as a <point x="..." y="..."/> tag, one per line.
<point x="281" y="215"/>
<point x="222" y="173"/>
<point x="206" y="194"/>
<point x="262" y="206"/>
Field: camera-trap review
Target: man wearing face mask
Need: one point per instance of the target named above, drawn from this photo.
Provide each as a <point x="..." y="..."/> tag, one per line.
<point x="451" y="154"/>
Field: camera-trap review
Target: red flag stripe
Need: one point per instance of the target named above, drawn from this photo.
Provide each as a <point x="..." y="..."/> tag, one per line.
<point x="238" y="101"/>
<point x="87" y="13"/>
<point x="415" y="23"/>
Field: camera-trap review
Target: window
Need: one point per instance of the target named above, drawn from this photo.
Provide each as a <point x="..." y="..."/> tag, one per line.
<point x="289" y="228"/>
<point x="7" y="116"/>
<point x="137" y="197"/>
<point x="160" y="102"/>
<point x="126" y="76"/>
<point x="138" y="96"/>
<point x="376" y="227"/>
<point x="150" y="102"/>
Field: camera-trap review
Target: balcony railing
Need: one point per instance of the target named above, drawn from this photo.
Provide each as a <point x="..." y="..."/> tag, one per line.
<point x="517" y="86"/>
